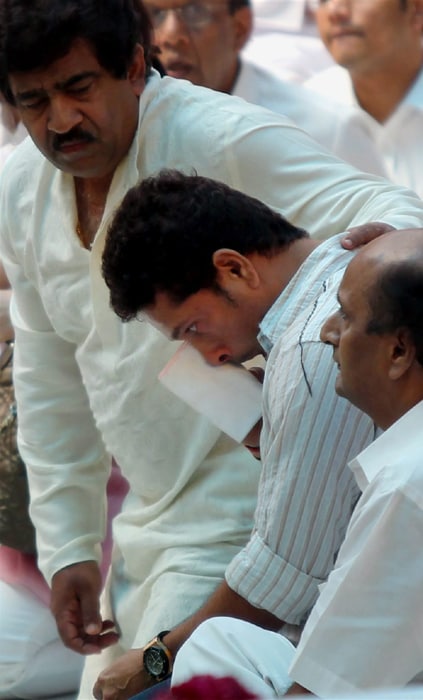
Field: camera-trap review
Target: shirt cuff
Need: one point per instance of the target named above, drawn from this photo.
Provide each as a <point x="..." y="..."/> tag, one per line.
<point x="269" y="582"/>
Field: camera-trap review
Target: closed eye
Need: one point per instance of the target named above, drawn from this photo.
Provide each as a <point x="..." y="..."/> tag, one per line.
<point x="32" y="101"/>
<point x="79" y="88"/>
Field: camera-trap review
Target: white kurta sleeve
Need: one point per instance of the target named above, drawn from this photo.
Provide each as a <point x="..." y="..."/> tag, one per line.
<point x="65" y="457"/>
<point x="365" y="629"/>
<point x="287" y="170"/>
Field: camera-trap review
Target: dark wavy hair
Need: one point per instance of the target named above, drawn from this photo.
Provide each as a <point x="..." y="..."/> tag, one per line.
<point x="235" y="5"/>
<point x="164" y="234"/>
<point x="34" y="33"/>
<point x="396" y="301"/>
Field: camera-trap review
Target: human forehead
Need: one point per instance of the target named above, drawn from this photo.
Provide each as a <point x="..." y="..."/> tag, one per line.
<point x="357" y="283"/>
<point x="79" y="60"/>
<point x="365" y="4"/>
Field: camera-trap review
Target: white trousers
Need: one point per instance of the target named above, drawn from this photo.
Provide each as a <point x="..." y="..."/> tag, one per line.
<point x="33" y="660"/>
<point x="224" y="646"/>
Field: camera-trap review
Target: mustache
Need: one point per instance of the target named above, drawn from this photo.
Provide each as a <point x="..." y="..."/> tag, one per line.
<point x="74" y="135"/>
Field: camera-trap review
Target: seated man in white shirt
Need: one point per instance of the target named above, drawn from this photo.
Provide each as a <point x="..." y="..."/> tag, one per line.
<point x="365" y="630"/>
<point x="378" y="48"/>
<point x="202" y="41"/>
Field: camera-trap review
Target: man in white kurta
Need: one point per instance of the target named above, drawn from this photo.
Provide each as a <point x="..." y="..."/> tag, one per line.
<point x="86" y="384"/>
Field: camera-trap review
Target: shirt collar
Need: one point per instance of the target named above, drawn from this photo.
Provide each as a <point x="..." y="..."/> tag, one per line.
<point x="388" y="448"/>
<point x="323" y="262"/>
<point x="246" y="84"/>
<point x="414" y="96"/>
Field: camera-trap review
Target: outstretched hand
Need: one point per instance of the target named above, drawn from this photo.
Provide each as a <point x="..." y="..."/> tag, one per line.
<point x="359" y="235"/>
<point x="75" y="593"/>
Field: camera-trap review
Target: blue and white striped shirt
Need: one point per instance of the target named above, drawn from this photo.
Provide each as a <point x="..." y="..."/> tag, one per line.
<point x="307" y="493"/>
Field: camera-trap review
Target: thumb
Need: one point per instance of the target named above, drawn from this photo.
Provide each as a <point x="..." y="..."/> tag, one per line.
<point x="90" y="612"/>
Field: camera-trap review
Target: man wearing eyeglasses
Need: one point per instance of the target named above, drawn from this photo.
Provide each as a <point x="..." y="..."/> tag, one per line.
<point x="202" y="40"/>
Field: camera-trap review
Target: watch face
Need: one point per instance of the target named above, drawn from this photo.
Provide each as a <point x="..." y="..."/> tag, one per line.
<point x="156" y="661"/>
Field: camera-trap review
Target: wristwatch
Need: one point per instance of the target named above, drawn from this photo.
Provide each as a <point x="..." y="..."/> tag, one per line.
<point x="157" y="658"/>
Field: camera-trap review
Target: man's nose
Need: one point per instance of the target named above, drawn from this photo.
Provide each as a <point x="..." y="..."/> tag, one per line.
<point x="216" y="355"/>
<point x="63" y="114"/>
<point x="329" y="333"/>
<point x="339" y="7"/>
<point x="172" y="28"/>
<point x="336" y="8"/>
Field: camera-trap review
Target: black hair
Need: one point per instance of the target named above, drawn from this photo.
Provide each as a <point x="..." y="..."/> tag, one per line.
<point x="164" y="234"/>
<point x="34" y="33"/>
<point x="396" y="301"/>
<point x="235" y="5"/>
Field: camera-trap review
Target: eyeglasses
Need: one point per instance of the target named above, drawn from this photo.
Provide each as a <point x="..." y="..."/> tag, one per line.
<point x="315" y="4"/>
<point x="195" y="15"/>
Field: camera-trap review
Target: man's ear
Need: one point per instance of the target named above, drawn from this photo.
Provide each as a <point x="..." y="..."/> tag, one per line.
<point x="136" y="71"/>
<point x="242" y="20"/>
<point x="416" y="13"/>
<point x="231" y="267"/>
<point x="402" y="353"/>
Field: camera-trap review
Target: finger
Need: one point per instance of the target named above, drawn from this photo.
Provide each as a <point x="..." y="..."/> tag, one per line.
<point x="97" y="691"/>
<point x="255" y="451"/>
<point x="258" y="373"/>
<point x="94" y="644"/>
<point x="70" y="631"/>
<point x="90" y="613"/>
<point x="105" y="640"/>
<point x="360" y="235"/>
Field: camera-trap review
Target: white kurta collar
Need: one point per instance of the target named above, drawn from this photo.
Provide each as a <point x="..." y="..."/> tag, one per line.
<point x="389" y="447"/>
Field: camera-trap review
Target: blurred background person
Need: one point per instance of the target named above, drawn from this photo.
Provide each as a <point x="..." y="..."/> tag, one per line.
<point x="202" y="41"/>
<point x="378" y="48"/>
<point x="285" y="39"/>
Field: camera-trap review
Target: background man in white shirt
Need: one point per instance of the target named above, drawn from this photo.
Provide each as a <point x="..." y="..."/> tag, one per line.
<point x="378" y="48"/>
<point x="202" y="41"/>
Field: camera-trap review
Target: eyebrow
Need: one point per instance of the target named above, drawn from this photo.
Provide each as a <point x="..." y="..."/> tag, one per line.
<point x="60" y="85"/>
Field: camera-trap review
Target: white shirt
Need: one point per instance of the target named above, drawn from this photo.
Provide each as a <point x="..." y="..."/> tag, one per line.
<point x="338" y="130"/>
<point x="86" y="383"/>
<point x="285" y="40"/>
<point x="398" y="140"/>
<point x="282" y="15"/>
<point x="306" y="492"/>
<point x="366" y="628"/>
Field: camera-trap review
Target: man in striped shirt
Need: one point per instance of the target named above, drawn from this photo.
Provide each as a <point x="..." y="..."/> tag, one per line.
<point x="233" y="278"/>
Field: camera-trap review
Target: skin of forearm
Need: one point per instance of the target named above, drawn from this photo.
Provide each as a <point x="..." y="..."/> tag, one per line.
<point x="223" y="602"/>
<point x="6" y="329"/>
